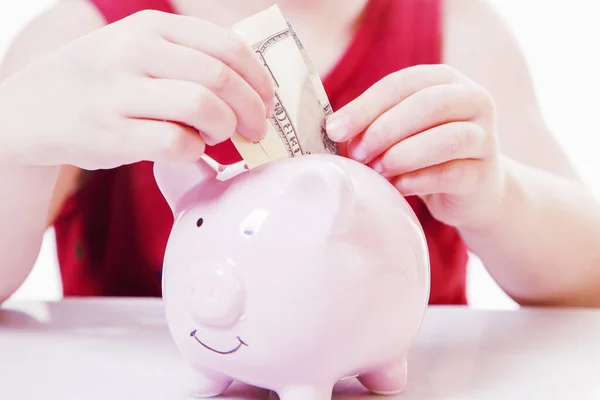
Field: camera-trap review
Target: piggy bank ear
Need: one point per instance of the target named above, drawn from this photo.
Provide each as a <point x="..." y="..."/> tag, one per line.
<point x="327" y="189"/>
<point x="174" y="180"/>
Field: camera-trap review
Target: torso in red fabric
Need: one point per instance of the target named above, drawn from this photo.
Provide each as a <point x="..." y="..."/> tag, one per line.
<point x="111" y="235"/>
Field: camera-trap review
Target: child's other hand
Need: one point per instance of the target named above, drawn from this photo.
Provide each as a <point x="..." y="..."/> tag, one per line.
<point x="153" y="86"/>
<point x="432" y="133"/>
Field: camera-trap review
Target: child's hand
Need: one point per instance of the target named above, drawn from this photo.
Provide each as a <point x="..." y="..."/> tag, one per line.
<point x="104" y="100"/>
<point x="432" y="133"/>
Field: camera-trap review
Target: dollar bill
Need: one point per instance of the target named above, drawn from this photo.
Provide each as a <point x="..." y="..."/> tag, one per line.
<point x="297" y="127"/>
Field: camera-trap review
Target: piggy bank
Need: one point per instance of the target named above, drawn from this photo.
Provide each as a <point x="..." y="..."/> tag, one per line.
<point x="292" y="276"/>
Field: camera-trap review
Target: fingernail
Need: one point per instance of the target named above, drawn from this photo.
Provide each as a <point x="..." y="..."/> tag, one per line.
<point x="271" y="107"/>
<point x="378" y="166"/>
<point x="360" y="153"/>
<point x="263" y="133"/>
<point x="337" y="128"/>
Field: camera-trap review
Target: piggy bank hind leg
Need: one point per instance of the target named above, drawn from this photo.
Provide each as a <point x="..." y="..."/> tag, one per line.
<point x="205" y="383"/>
<point x="388" y="379"/>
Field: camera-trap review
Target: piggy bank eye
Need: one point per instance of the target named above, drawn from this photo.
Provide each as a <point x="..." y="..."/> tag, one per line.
<point x="199" y="222"/>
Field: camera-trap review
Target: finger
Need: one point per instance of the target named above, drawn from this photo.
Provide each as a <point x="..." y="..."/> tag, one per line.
<point x="452" y="177"/>
<point x="222" y="44"/>
<point x="150" y="140"/>
<point x="425" y="109"/>
<point x="356" y="116"/>
<point x="183" y="102"/>
<point x="183" y="63"/>
<point x="452" y="141"/>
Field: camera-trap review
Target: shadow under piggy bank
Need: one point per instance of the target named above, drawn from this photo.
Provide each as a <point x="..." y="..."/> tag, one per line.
<point x="348" y="389"/>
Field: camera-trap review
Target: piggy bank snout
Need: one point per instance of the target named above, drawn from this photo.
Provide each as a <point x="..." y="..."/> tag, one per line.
<point x="215" y="294"/>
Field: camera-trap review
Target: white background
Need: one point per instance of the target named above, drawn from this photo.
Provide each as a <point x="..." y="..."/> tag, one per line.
<point x="560" y="40"/>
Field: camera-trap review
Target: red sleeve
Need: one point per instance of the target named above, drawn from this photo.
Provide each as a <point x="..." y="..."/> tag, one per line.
<point x="114" y="10"/>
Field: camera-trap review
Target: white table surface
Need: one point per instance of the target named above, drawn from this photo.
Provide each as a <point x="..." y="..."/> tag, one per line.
<point x="120" y="349"/>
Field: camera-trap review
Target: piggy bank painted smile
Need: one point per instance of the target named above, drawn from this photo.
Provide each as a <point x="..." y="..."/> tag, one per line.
<point x="292" y="276"/>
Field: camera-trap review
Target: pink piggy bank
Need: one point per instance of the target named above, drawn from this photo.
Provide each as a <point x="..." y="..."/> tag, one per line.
<point x="292" y="276"/>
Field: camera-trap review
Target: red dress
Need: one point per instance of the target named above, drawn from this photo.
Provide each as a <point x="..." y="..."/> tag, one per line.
<point x="112" y="233"/>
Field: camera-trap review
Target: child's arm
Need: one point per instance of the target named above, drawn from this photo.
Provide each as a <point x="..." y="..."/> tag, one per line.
<point x="30" y="199"/>
<point x="469" y="139"/>
<point x="153" y="86"/>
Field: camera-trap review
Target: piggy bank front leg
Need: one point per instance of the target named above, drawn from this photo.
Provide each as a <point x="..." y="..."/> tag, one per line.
<point x="205" y="383"/>
<point x="388" y="379"/>
<point x="306" y="393"/>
